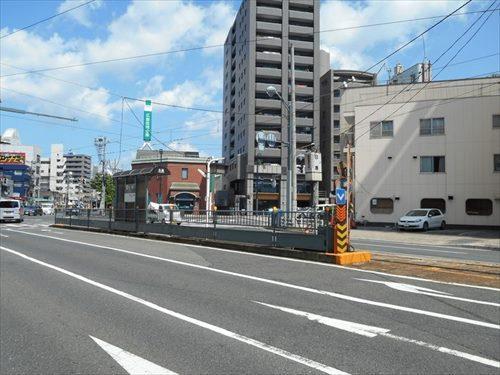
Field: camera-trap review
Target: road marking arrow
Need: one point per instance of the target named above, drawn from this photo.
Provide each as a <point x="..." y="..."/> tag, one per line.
<point x="428" y="292"/>
<point x="372" y="331"/>
<point x="130" y="362"/>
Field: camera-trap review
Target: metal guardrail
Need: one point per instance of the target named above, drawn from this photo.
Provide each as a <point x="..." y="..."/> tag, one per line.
<point x="276" y="229"/>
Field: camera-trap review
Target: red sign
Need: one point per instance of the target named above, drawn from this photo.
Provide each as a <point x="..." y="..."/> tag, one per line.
<point x="12" y="158"/>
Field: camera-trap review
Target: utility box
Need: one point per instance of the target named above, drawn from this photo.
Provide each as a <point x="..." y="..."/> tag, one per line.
<point x="313" y="166"/>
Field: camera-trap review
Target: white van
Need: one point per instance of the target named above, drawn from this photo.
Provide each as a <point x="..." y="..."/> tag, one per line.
<point x="11" y="210"/>
<point x="161" y="213"/>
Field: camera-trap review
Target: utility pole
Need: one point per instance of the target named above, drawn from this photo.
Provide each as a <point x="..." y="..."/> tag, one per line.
<point x="292" y="168"/>
<point x="348" y="191"/>
<point x="100" y="144"/>
<point x="160" y="198"/>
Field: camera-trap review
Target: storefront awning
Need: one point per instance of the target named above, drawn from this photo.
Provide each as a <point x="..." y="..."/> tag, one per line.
<point x="184" y="186"/>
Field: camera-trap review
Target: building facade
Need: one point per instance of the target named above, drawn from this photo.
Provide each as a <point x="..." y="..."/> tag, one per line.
<point x="332" y="138"/>
<point x="256" y="55"/>
<point x="78" y="167"/>
<point x="440" y="149"/>
<point x="178" y="177"/>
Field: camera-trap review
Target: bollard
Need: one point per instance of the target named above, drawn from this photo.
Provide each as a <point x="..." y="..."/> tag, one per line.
<point x="88" y="218"/>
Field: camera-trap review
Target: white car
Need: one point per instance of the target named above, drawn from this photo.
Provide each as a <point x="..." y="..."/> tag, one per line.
<point x="423" y="218"/>
<point x="11" y="210"/>
<point x="161" y="213"/>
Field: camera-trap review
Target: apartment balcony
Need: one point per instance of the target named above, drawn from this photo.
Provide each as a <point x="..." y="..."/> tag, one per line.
<point x="268" y="41"/>
<point x="274" y="57"/>
<point x="336" y="131"/>
<point x="303" y="138"/>
<point x="267" y="103"/>
<point x="268" y="27"/>
<point x="302" y="2"/>
<point x="336" y="147"/>
<point x="300" y="30"/>
<point x="304" y="106"/>
<point x="304" y="60"/>
<point x="268" y="153"/>
<point x="301" y="45"/>
<point x="267" y="120"/>
<point x="300" y="16"/>
<point x="303" y="90"/>
<point x="302" y="121"/>
<point x="268" y="72"/>
<point x="303" y="75"/>
<point x="268" y="12"/>
<point x="261" y="87"/>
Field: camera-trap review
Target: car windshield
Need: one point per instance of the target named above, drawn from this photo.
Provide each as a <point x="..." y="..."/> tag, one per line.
<point x="9" y="204"/>
<point x="417" y="213"/>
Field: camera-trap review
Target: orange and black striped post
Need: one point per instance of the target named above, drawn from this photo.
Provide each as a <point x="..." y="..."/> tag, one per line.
<point x="341" y="243"/>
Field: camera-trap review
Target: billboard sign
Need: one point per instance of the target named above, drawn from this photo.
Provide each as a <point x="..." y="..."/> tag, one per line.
<point x="129" y="196"/>
<point x="12" y="157"/>
<point x="148" y="121"/>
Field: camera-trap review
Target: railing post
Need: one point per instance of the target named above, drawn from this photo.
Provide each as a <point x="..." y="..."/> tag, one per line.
<point x="136" y="218"/>
<point x="88" y="218"/>
<point x="109" y="221"/>
<point x="70" y="213"/>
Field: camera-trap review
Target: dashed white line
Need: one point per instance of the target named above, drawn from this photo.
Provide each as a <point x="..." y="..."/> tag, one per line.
<point x="291" y="286"/>
<point x="222" y="331"/>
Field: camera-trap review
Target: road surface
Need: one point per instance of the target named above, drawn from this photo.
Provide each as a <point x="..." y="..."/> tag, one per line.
<point x="81" y="302"/>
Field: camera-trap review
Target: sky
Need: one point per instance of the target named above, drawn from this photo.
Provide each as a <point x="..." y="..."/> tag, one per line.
<point x="106" y="30"/>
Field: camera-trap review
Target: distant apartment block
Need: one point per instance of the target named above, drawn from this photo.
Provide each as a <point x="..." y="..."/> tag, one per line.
<point x="440" y="149"/>
<point x="256" y="55"/>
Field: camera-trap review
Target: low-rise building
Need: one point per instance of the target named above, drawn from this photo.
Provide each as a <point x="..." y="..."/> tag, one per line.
<point x="435" y="145"/>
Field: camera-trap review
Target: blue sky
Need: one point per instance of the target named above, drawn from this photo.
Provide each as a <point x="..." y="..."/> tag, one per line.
<point x="113" y="29"/>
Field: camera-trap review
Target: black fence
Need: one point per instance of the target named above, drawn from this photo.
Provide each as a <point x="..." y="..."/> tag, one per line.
<point x="301" y="230"/>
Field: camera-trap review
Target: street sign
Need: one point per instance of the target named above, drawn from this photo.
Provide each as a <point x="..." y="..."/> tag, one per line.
<point x="340" y="196"/>
<point x="148" y="121"/>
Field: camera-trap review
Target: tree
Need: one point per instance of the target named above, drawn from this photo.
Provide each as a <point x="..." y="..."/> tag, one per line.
<point x="96" y="184"/>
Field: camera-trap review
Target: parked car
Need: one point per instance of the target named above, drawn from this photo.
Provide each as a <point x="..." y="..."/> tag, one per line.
<point x="11" y="210"/>
<point x="33" y="210"/>
<point x="161" y="213"/>
<point x="72" y="211"/>
<point x="47" y="208"/>
<point x="422" y="218"/>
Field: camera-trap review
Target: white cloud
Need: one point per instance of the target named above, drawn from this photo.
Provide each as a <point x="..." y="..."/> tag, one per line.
<point x="82" y="14"/>
<point x="182" y="146"/>
<point x="145" y="27"/>
<point x="354" y="48"/>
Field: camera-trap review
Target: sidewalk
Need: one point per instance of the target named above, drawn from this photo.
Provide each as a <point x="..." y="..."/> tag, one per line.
<point x="450" y="237"/>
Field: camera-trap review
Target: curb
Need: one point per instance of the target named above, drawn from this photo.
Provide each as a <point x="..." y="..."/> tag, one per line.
<point x="481" y="247"/>
<point x="464" y="266"/>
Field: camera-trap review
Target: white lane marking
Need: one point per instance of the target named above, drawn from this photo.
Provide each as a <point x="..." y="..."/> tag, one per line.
<point x="343" y="268"/>
<point x="291" y="286"/>
<point x="412" y="245"/>
<point x="371" y="331"/>
<point x="222" y="331"/>
<point x="132" y="363"/>
<point x="428" y="292"/>
<point x="3" y="235"/>
<point x="407" y="248"/>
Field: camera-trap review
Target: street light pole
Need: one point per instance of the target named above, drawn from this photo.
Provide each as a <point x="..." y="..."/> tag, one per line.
<point x="292" y="136"/>
<point x="161" y="177"/>
<point x="208" y="202"/>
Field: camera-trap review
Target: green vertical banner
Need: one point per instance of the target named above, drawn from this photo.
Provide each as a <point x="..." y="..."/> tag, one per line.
<point x="148" y="121"/>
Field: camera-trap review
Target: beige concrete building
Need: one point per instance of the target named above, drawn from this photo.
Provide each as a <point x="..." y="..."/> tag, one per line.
<point x="434" y="145"/>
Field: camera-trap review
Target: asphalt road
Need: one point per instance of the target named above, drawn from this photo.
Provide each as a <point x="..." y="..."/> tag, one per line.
<point x="81" y="302"/>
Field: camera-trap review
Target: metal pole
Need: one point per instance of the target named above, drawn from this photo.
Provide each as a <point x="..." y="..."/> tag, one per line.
<point x="292" y="147"/>
<point x="207" y="193"/>
<point x="161" y="177"/>
<point x="348" y="192"/>
<point x="257" y="188"/>
<point x="103" y="181"/>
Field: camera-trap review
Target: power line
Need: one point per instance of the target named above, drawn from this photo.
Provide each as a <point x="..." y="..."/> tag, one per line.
<point x="444" y="67"/>
<point x="161" y="53"/>
<point x="413" y="83"/>
<point x="47" y="19"/>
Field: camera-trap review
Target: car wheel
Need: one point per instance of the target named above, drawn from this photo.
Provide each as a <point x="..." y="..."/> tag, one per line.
<point x="443" y="225"/>
<point x="425" y="227"/>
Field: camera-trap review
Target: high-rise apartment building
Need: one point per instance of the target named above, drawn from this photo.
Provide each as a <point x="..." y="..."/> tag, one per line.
<point x="257" y="55"/>
<point x="79" y="168"/>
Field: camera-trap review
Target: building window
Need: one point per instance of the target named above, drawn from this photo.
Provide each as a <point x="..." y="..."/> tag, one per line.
<point x="432" y="164"/>
<point x="496" y="121"/>
<point x="496" y="162"/>
<point x="184" y="174"/>
<point x="432" y="126"/>
<point x="336" y="124"/>
<point x="381" y="129"/>
<point x="18" y="173"/>
<point x="381" y="206"/>
<point x="336" y="93"/>
<point x="438" y="203"/>
<point x="482" y="207"/>
<point x="336" y="108"/>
